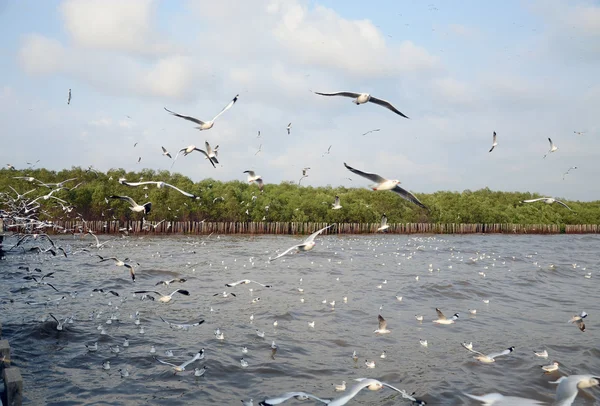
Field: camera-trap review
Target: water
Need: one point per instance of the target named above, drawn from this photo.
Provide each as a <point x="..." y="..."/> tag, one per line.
<point x="529" y="305"/>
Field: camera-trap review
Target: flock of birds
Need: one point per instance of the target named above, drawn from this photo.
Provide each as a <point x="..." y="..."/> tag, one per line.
<point x="22" y="213"/>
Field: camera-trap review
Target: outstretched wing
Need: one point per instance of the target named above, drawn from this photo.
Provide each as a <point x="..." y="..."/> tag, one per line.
<point x="382" y="322"/>
<point x="371" y="176"/>
<point x="440" y="314"/>
<point x="126" y="198"/>
<point x="472" y="350"/>
<point x="181" y="191"/>
<point x="165" y="362"/>
<point x="231" y="103"/>
<point x="206" y="155"/>
<point x="563" y="204"/>
<point x="315" y="234"/>
<point x="534" y="200"/>
<point x="193" y="119"/>
<point x="408" y="196"/>
<point x="285" y="252"/>
<point x="344" y="94"/>
<point x="387" y="105"/>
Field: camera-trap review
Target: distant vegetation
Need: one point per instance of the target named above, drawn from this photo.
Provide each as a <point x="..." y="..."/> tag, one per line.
<point x="286" y="201"/>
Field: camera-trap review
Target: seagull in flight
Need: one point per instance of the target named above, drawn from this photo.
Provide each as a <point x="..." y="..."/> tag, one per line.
<point x="159" y="184"/>
<point x="146" y="207"/>
<point x="384" y="225"/>
<point x="382" y="329"/>
<point x="568" y="170"/>
<point x="489" y="358"/>
<point x="547" y="200"/>
<point x="191" y="148"/>
<point x="494" y="143"/>
<point x="371" y="131"/>
<point x="306" y="245"/>
<point x="212" y="152"/>
<point x="326" y="152"/>
<point x="443" y="320"/>
<point x="69" y="97"/>
<point x="286" y="396"/>
<point x="578" y="320"/>
<point x="205" y="125"/>
<point x="253" y="177"/>
<point x="168" y="282"/>
<point x="166" y="153"/>
<point x="244" y="282"/>
<point x="304" y="174"/>
<point x="118" y="262"/>
<point x="498" y="399"/>
<point x="387" y="184"/>
<point x="552" y="149"/>
<point x="361" y="98"/>
<point x="336" y="204"/>
<point x="289" y="127"/>
<point x="579" y="132"/>
<point x="181" y="367"/>
<point x="371" y="384"/>
<point x="165" y="298"/>
<point x="259" y="149"/>
<point x="568" y="387"/>
<point x="182" y="326"/>
<point x="98" y="244"/>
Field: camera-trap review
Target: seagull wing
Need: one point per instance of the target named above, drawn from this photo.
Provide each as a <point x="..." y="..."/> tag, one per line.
<point x="497" y="354"/>
<point x="148" y="182"/>
<point x="387" y="105"/>
<point x="208" y="148"/>
<point x="382" y="323"/>
<point x="285" y="252"/>
<point x="344" y="94"/>
<point x="440" y="314"/>
<point x="149" y="291"/>
<point x="563" y="204"/>
<point x="472" y="350"/>
<point x="408" y="196"/>
<point x="182" y="291"/>
<point x="371" y="176"/>
<point x="126" y="198"/>
<point x="401" y="391"/>
<point x="337" y="201"/>
<point x="165" y="362"/>
<point x="206" y="155"/>
<point x="195" y="120"/>
<point x="551" y="143"/>
<point x="534" y="200"/>
<point x="231" y="103"/>
<point x="383" y="220"/>
<point x="232" y="284"/>
<point x="315" y="234"/>
<point x="181" y="191"/>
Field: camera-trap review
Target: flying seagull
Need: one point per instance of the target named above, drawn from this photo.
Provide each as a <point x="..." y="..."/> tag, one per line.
<point x="547" y="200"/>
<point x="289" y="127"/>
<point x="568" y="387"/>
<point x="212" y="152"/>
<point x="306" y="245"/>
<point x="498" y="399"/>
<point x="489" y="357"/>
<point x="188" y="150"/>
<point x="259" y="149"/>
<point x="118" y="262"/>
<point x="208" y="124"/>
<point x="384" y="225"/>
<point x="578" y="320"/>
<point x="146" y="207"/>
<point x="253" y="177"/>
<point x="304" y="174"/>
<point x="159" y="184"/>
<point x="443" y="319"/>
<point x="553" y="148"/>
<point x="382" y="329"/>
<point x="166" y="153"/>
<point x="326" y="152"/>
<point x="168" y="282"/>
<point x="286" y="396"/>
<point x="182" y="326"/>
<point x="495" y="142"/>
<point x="568" y="170"/>
<point x="387" y="184"/>
<point x="336" y="204"/>
<point x="361" y="98"/>
<point x="165" y="298"/>
<point x="372" y="131"/>
<point x="69" y="98"/>
<point x="371" y="384"/>
<point x="181" y="367"/>
<point x="244" y="282"/>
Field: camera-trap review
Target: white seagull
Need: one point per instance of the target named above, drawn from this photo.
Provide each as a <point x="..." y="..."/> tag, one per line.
<point x="118" y="262"/>
<point x="547" y="200"/>
<point x="212" y="152"/>
<point x="442" y="319"/>
<point x="387" y="184"/>
<point x="550" y="368"/>
<point x="286" y="396"/>
<point x="182" y="326"/>
<point x="188" y="150"/>
<point x="181" y="367"/>
<point x="495" y="142"/>
<point x="69" y="98"/>
<point x="244" y="282"/>
<point x="306" y="245"/>
<point x="289" y="127"/>
<point x="146" y="207"/>
<point x="362" y="98"/>
<point x="166" y="153"/>
<point x="371" y="384"/>
<point x="568" y="386"/>
<point x="165" y="298"/>
<point x="382" y="329"/>
<point x="253" y="177"/>
<point x="489" y="358"/>
<point x="497" y="399"/>
<point x="578" y="320"/>
<point x="384" y="225"/>
<point x="568" y="170"/>
<point x="541" y="354"/>
<point x="336" y="204"/>
<point x="159" y="184"/>
<point x="552" y="149"/>
<point x="205" y="125"/>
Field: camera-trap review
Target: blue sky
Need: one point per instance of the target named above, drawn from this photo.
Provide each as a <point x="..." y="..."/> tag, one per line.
<point x="525" y="69"/>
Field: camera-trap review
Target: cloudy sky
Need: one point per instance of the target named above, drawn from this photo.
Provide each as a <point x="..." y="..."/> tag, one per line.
<point x="525" y="69"/>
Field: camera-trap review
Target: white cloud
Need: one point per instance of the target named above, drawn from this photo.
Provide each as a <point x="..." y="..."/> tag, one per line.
<point x="101" y="122"/>
<point x="41" y="55"/>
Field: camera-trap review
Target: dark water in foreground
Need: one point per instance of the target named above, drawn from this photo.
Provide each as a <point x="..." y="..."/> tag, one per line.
<point x="533" y="283"/>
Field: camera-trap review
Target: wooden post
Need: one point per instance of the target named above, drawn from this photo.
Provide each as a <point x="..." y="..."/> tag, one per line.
<point x="13" y="386"/>
<point x="4" y="354"/>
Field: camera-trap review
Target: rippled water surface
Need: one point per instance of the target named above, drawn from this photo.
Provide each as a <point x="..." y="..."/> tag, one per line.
<point x="534" y="285"/>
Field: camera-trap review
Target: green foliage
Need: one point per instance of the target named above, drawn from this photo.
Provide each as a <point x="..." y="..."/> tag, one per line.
<point x="239" y="201"/>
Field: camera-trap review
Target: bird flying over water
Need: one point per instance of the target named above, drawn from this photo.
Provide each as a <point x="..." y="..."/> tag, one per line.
<point x="384" y="225"/>
<point x="361" y="98"/>
<point x="489" y="358"/>
<point x="253" y="177"/>
<point x="159" y="184"/>
<point x="306" y="245"/>
<point x="146" y="207"/>
<point x="547" y="200"/>
<point x="552" y="149"/>
<point x="205" y="125"/>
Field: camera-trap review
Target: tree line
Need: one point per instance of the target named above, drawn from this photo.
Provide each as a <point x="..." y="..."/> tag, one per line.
<point x="287" y="201"/>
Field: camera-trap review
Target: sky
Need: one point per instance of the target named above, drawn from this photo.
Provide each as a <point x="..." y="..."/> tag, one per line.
<point x="460" y="70"/>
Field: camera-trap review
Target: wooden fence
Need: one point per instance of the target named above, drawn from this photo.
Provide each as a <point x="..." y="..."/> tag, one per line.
<point x="11" y="376"/>
<point x="193" y="227"/>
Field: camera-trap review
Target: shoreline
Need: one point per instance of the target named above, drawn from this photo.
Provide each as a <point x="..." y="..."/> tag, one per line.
<point x="296" y="228"/>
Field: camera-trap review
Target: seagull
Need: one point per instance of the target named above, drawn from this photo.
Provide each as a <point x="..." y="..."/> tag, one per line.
<point x="253" y="177"/>
<point x="494" y="142"/>
<point x="244" y="282"/>
<point x="568" y="170"/>
<point x="382" y="329"/>
<point x="304" y="174"/>
<point x="578" y="320"/>
<point x="181" y="367"/>
<point x="188" y="150"/>
<point x="159" y="184"/>
<point x="336" y="204"/>
<point x="371" y="384"/>
<point x="423" y="343"/>
<point x="568" y="386"/>
<point x="166" y="153"/>
<point x="489" y="358"/>
<point x="59" y="325"/>
<point x="340" y="388"/>
<point x="372" y="131"/>
<point x="168" y="282"/>
<point x="69" y="98"/>
<point x="212" y="152"/>
<point x="208" y="124"/>
<point x="547" y="200"/>
<point x="500" y="400"/>
<point x="442" y="319"/>
<point x="243" y="363"/>
<point x="361" y="98"/>
<point x="200" y="371"/>
<point x="553" y="148"/>
<point x="289" y="127"/>
<point x="541" y="354"/>
<point x="579" y="132"/>
<point x="550" y="368"/>
<point x="92" y="348"/>
<point x="387" y="184"/>
<point x="286" y="396"/>
<point x="146" y="207"/>
<point x="259" y="149"/>
<point x="118" y="262"/>
<point x="182" y="326"/>
<point x="106" y="365"/>
<point x="165" y="298"/>
<point x="98" y="245"/>
<point x="384" y="225"/>
<point x="306" y="245"/>
<point x="225" y="294"/>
